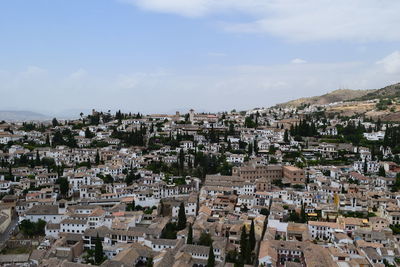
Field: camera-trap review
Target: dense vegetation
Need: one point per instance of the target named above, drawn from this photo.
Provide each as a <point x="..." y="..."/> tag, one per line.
<point x="31" y="229"/>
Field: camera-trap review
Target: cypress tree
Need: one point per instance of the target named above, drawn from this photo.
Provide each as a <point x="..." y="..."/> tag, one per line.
<point x="10" y="175"/>
<point x="133" y="204"/>
<point x="212" y="136"/>
<point x="286" y="136"/>
<point x="181" y="217"/>
<point x="211" y="257"/>
<point x="255" y="146"/>
<point x="31" y="163"/>
<point x="252" y="236"/>
<point x="88" y="133"/>
<point x="190" y="235"/>
<point x="37" y="161"/>
<point x="181" y="159"/>
<point x="98" y="251"/>
<point x="365" y="166"/>
<point x="54" y="122"/>
<point x="231" y="128"/>
<point x="89" y="164"/>
<point x="47" y="140"/>
<point x="64" y="185"/>
<point x="382" y="171"/>
<point x="250" y="149"/>
<point x="97" y="159"/>
<point x="303" y="215"/>
<point x="244" y="245"/>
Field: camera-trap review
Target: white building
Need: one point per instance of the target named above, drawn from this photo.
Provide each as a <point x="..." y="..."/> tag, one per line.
<point x="74" y="226"/>
<point x="47" y="213"/>
<point x="235" y="158"/>
<point x="323" y="230"/>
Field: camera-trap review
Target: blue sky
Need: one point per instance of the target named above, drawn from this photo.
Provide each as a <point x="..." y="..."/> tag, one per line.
<point x="64" y="56"/>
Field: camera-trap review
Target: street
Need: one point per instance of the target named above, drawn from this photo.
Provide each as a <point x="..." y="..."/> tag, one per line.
<point x="7" y="233"/>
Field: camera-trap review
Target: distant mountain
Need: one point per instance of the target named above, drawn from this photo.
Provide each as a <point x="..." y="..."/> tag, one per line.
<point x="11" y="115"/>
<point x="386" y="92"/>
<point x="334" y="96"/>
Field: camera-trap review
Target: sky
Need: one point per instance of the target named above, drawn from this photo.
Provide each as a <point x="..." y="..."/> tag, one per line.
<point x="61" y="57"/>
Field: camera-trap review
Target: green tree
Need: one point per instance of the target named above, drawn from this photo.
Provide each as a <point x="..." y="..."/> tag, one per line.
<point x="303" y="215"/>
<point x="205" y="239"/>
<point x="149" y="262"/>
<point x="108" y="179"/>
<point x="88" y="164"/>
<point x="98" y="251"/>
<point x="365" y="166"/>
<point x="54" y="122"/>
<point x="382" y="171"/>
<point x="190" y="235"/>
<point x="252" y="236"/>
<point x="88" y="133"/>
<point x="181" y="159"/>
<point x="232" y="256"/>
<point x="29" y="228"/>
<point x="249" y="123"/>
<point x="133" y="204"/>
<point x="64" y="185"/>
<point x="130" y="176"/>
<point x="97" y="159"/>
<point x="181" y="217"/>
<point x="47" y="140"/>
<point x="264" y="211"/>
<point x="286" y="136"/>
<point x="245" y="253"/>
<point x="37" y="160"/>
<point x="211" y="257"/>
<point x="169" y="231"/>
<point x="294" y="217"/>
<point x="231" y="128"/>
<point x="250" y="149"/>
<point x="255" y="146"/>
<point x="57" y="138"/>
<point x="396" y="186"/>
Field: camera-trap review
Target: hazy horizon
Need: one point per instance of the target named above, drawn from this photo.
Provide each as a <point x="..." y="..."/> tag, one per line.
<point x="156" y="56"/>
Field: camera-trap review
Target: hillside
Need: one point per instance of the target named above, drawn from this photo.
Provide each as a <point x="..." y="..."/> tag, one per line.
<point x="10" y="115"/>
<point x="382" y="103"/>
<point x="334" y="96"/>
<point x="390" y="91"/>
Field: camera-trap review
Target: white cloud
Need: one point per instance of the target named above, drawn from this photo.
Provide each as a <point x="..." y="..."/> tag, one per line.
<point x="298" y="61"/>
<point x="33" y="71"/>
<point x="189" y="8"/>
<point x="31" y="75"/>
<point x="133" y="80"/>
<point x="391" y="63"/>
<point x="211" y="88"/>
<point x="126" y="81"/>
<point x="79" y="74"/>
<point x="306" y="20"/>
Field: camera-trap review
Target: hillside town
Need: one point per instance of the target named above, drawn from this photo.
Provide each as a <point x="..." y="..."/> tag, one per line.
<point x="279" y="186"/>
